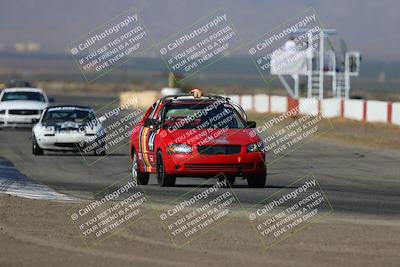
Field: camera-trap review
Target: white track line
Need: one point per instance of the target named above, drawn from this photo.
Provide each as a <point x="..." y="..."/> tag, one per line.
<point x="32" y="190"/>
<point x="14" y="183"/>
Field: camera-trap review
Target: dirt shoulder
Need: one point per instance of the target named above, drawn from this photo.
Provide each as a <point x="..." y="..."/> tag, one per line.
<point x="367" y="135"/>
<point x="38" y="233"/>
<point x="370" y="135"/>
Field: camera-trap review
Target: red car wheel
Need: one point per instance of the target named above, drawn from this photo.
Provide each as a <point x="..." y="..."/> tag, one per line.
<point x="138" y="176"/>
<point x="163" y="179"/>
<point x="257" y="181"/>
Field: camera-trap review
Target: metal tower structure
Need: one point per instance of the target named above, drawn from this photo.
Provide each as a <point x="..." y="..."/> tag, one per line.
<point x="316" y="62"/>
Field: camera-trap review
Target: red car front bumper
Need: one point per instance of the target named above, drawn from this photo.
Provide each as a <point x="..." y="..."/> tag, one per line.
<point x="198" y="165"/>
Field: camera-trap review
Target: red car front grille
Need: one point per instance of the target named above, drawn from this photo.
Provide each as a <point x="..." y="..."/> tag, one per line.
<point x="219" y="149"/>
<point x="219" y="167"/>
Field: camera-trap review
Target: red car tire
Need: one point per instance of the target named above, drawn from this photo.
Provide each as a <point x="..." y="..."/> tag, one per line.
<point x="257" y="181"/>
<point x="141" y="178"/>
<point x="163" y="179"/>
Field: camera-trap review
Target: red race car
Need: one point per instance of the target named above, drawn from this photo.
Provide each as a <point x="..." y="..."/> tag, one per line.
<point x="196" y="136"/>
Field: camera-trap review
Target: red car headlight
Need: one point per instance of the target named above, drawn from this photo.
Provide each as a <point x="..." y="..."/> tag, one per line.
<point x="255" y="148"/>
<point x="179" y="149"/>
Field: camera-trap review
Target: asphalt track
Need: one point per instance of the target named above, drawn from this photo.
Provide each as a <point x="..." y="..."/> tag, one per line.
<point x="357" y="181"/>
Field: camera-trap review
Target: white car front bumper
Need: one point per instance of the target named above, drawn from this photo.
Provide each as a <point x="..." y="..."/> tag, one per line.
<point x="9" y="120"/>
<point x="67" y="141"/>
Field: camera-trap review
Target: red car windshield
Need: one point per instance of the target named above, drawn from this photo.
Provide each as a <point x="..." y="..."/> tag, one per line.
<point x="202" y="116"/>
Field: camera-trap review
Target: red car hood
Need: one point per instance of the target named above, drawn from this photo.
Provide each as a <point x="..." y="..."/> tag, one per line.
<point x="212" y="136"/>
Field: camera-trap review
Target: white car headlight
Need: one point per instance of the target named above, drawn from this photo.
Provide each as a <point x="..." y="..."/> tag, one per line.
<point x="179" y="149"/>
<point x="2" y="111"/>
<point x="90" y="131"/>
<point x="48" y="130"/>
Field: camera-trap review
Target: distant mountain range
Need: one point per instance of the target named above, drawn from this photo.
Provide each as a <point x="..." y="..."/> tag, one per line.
<point x="235" y="71"/>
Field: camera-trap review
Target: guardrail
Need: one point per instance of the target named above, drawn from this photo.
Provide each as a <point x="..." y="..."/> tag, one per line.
<point x="354" y="109"/>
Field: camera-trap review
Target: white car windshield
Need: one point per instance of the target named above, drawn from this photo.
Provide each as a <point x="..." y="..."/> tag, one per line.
<point x="23" y="95"/>
<point x="62" y="115"/>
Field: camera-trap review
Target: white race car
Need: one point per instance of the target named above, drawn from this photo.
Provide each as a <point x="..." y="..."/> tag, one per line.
<point x="19" y="106"/>
<point x="68" y="128"/>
